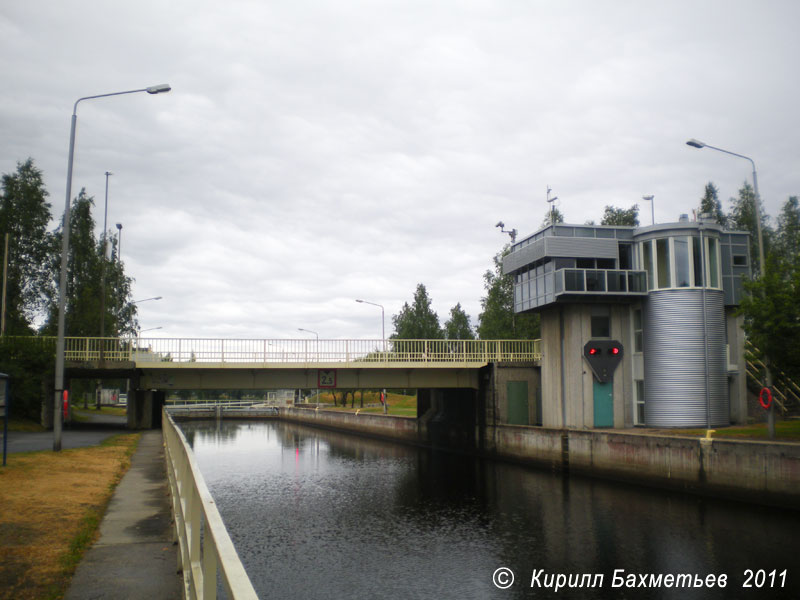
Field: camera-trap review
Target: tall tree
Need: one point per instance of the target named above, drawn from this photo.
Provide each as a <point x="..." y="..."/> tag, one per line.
<point x="458" y="327"/>
<point x="24" y="215"/>
<point x="742" y="217"/>
<point x="710" y="204"/>
<point x="621" y="216"/>
<point x="497" y="320"/>
<point x="771" y="312"/>
<point x="418" y="321"/>
<point x="787" y="240"/>
<point x="771" y="309"/>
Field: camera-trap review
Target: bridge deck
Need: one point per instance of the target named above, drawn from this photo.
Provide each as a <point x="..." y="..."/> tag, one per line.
<point x="197" y="353"/>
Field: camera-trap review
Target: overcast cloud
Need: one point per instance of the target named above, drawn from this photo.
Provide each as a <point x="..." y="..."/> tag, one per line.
<point x="311" y="153"/>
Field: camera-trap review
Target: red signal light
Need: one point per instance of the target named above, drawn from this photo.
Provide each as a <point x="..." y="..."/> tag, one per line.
<point x="615" y="350"/>
<point x="593" y="351"/>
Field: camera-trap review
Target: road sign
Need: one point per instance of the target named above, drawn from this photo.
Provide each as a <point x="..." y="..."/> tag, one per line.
<point x="326" y="378"/>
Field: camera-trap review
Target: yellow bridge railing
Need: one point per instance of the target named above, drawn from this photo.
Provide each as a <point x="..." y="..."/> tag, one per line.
<point x="191" y="352"/>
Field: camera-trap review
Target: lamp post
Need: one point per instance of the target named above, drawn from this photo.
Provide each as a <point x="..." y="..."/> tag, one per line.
<point x="652" y="206"/>
<point x="103" y="277"/>
<point x="316" y="390"/>
<point x="119" y="242"/>
<point x="757" y="209"/>
<point x="62" y="282"/>
<point x="383" y="338"/>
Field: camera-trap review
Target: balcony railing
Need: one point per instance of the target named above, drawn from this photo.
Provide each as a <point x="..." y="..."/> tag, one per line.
<point x="193" y="352"/>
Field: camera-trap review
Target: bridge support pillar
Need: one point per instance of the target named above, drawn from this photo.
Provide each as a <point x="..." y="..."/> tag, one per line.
<point x="144" y="409"/>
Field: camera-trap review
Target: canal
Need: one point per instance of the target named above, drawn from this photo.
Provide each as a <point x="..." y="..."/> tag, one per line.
<point x="319" y="514"/>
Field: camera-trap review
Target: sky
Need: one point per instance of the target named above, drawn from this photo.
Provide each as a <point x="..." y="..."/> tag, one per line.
<point x="311" y="153"/>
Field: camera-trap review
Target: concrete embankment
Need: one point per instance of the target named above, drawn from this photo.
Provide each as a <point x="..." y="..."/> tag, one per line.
<point x="754" y="471"/>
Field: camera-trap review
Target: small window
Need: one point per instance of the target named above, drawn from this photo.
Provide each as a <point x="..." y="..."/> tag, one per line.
<point x="565" y="263"/>
<point x="647" y="252"/>
<point x="625" y="256"/>
<point x="601" y="327"/>
<point x="713" y="264"/>
<point x="697" y="260"/>
<point x="739" y="260"/>
<point x="585" y="263"/>
<point x="606" y="263"/>
<point x="639" y="402"/>
<point x="637" y="330"/>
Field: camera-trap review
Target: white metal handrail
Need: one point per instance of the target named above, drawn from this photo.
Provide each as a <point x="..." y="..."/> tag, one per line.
<point x="205" y="545"/>
<point x="196" y="351"/>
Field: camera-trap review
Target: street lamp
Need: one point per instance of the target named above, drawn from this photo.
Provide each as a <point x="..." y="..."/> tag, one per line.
<point x="103" y="271"/>
<point x="757" y="209"/>
<point x="316" y="390"/>
<point x="383" y="337"/>
<point x="652" y="206"/>
<point x="698" y="144"/>
<point x="62" y="283"/>
<point x="146" y="299"/>
<point x="119" y="242"/>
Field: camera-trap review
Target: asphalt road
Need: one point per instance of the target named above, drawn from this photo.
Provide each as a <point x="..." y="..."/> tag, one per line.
<point x="74" y="435"/>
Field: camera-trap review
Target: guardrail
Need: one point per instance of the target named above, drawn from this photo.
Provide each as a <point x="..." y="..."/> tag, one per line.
<point x="205" y="546"/>
<point x="196" y="352"/>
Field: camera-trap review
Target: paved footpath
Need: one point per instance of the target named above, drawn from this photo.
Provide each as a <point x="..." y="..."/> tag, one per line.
<point x="134" y="556"/>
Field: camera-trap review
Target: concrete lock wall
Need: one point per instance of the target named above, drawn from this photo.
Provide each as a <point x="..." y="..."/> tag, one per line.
<point x="396" y="428"/>
<point x="763" y="472"/>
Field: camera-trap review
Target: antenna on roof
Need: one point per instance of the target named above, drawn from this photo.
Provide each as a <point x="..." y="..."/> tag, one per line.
<point x="552" y="206"/>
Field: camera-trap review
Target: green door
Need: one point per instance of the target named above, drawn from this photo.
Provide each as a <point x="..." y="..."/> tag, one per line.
<point x="603" y="404"/>
<point x="517" y="394"/>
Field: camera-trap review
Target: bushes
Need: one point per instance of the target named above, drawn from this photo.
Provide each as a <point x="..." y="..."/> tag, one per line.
<point x="29" y="361"/>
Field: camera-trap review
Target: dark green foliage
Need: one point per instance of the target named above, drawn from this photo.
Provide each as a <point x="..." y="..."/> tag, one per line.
<point x="29" y="361"/>
<point x="418" y="321"/>
<point x="742" y="217"/>
<point x="84" y="280"/>
<point x="458" y="326"/>
<point x="771" y="309"/>
<point x="497" y="321"/>
<point x="24" y="215"/>
<point x="787" y="242"/>
<point x="621" y="216"/>
<point x="710" y="204"/>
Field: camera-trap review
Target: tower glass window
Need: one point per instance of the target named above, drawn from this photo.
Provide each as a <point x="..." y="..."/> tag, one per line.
<point x="662" y="262"/>
<point x="681" y="262"/>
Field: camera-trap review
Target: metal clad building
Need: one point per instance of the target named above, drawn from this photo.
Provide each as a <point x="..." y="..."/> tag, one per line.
<point x="681" y="346"/>
<point x="667" y="293"/>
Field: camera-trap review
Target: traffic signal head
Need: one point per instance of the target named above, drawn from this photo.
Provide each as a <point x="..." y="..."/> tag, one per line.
<point x="603" y="357"/>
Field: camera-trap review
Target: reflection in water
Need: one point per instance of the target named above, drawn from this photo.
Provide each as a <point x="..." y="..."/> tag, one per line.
<point x="317" y="514"/>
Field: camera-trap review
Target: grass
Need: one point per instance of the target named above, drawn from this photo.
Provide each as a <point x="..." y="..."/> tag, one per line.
<point x="785" y="431"/>
<point x="400" y="405"/>
<point x="24" y="425"/>
<point x="81" y="414"/>
<point x="52" y="504"/>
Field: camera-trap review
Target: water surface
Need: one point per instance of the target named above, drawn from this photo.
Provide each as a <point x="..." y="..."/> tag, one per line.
<point x="317" y="514"/>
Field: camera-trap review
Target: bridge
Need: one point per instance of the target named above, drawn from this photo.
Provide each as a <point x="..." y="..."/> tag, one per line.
<point x="197" y="363"/>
